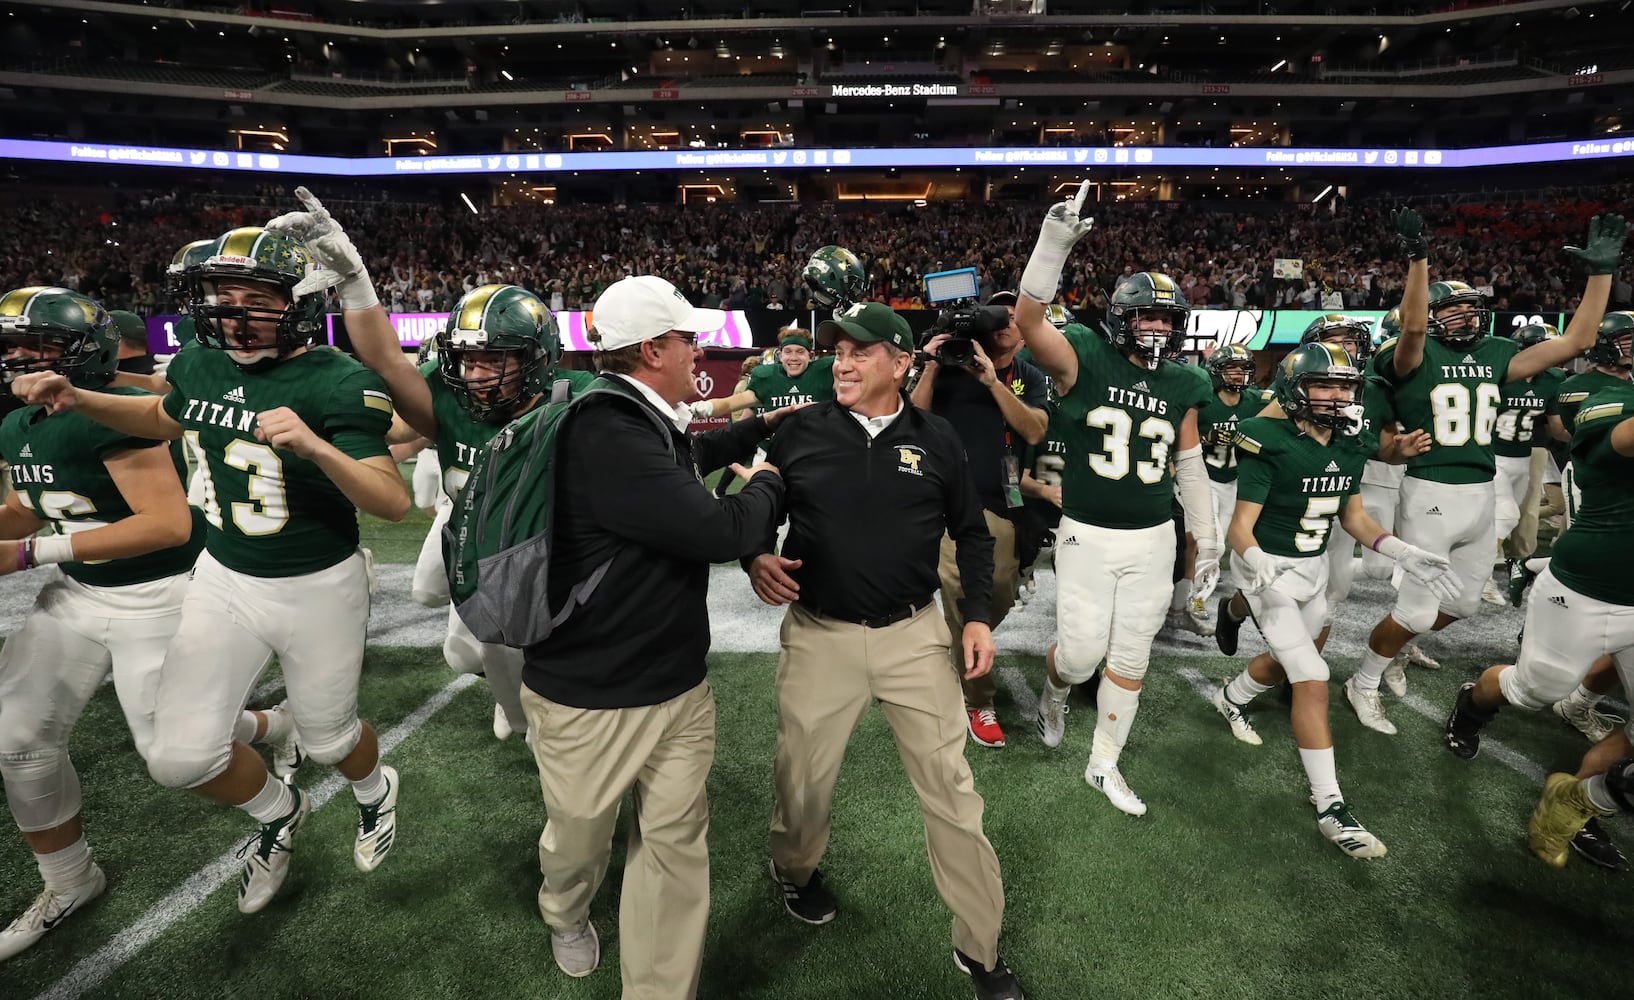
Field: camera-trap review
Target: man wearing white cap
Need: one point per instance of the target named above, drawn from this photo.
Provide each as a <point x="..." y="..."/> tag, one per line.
<point x="616" y="698"/>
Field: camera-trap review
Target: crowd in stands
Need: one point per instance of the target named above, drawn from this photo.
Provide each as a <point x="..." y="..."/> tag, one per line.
<point x="424" y="256"/>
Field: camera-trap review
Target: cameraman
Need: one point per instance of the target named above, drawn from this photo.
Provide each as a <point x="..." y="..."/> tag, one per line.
<point x="997" y="404"/>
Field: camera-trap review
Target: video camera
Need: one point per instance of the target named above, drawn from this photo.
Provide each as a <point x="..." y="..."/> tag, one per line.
<point x="964" y="326"/>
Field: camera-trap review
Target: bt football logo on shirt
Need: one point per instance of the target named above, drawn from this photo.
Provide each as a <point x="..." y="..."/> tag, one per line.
<point x="909" y="456"/>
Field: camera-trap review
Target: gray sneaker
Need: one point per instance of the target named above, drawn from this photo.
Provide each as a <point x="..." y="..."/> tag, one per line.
<point x="577" y="952"/>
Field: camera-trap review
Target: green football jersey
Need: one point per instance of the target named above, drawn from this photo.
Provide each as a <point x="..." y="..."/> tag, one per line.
<point x="1378" y="412"/>
<point x="1523" y="403"/>
<point x="1576" y="388"/>
<point x="1217" y="426"/>
<point x="1454" y="396"/>
<point x="57" y="466"/>
<point x="461" y="436"/>
<point x="1119" y="424"/>
<point x="1300" y="483"/>
<point x="272" y="513"/>
<point x="1594" y="554"/>
<point x="775" y="389"/>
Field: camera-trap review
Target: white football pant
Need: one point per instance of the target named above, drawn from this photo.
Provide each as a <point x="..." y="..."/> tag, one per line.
<point x="1112" y="594"/>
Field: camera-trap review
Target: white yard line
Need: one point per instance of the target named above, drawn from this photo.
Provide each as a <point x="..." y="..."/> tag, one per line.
<point x="95" y="968"/>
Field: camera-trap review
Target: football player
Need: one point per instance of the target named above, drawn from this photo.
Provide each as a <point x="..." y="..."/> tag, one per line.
<point x="1582" y="608"/>
<point x="494" y="360"/>
<point x="1609" y="363"/>
<point x="1122" y="407"/>
<point x="293" y="441"/>
<point x="122" y="545"/>
<point x="1515" y="431"/>
<point x="797" y="378"/>
<point x="1231" y="370"/>
<point x="1446" y="372"/>
<point x="1299" y="469"/>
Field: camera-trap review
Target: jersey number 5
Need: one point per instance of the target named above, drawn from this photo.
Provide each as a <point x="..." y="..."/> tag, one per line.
<point x="1113" y="461"/>
<point x="1316" y="523"/>
<point x="267" y="510"/>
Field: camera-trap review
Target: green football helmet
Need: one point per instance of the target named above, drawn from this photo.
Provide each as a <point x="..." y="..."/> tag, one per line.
<point x="1387" y="328"/>
<point x="1533" y="334"/>
<point x="176" y="274"/>
<point x="1228" y="359"/>
<point x="836" y="278"/>
<point x="1144" y="295"/>
<point x="1474" y="315"/>
<point x="1614" y="341"/>
<point x="254" y="254"/>
<point x="45" y="329"/>
<point x="1058" y="316"/>
<point x="1320" y="362"/>
<point x="499" y="318"/>
<point x="1336" y="328"/>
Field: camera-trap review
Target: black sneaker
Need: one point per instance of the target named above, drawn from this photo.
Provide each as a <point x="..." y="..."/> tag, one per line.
<point x="997" y="983"/>
<point x="1593" y="845"/>
<point x="812" y="902"/>
<point x="1463" y="732"/>
<point x="1226" y="628"/>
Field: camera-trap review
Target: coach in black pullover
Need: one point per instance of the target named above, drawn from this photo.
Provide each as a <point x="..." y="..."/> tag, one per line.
<point x="871" y="484"/>
<point x="616" y="698"/>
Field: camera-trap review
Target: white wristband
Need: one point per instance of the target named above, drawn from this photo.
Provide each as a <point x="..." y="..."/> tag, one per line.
<point x="357" y="293"/>
<point x="1392" y="547"/>
<point x="48" y="549"/>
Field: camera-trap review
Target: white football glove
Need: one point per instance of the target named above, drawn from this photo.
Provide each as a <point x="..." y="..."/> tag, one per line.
<point x="1263" y="570"/>
<point x="1206" y="573"/>
<point x="703" y="409"/>
<point x="1432" y="571"/>
<point x="331" y="248"/>
<point x="1061" y="229"/>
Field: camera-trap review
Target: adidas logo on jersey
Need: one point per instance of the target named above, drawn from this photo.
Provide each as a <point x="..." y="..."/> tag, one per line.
<point x="1434" y="510"/>
<point x="1141" y="386"/>
<point x="235" y="395"/>
<point x="1468" y="360"/>
<point x="1558" y="600"/>
<point x="1333" y="467"/>
<point x="27" y="452"/>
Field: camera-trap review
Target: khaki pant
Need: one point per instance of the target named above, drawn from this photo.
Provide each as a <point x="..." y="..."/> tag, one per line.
<point x="1006" y="578"/>
<point x="588" y="759"/>
<point x="1523" y="541"/>
<point x="828" y="672"/>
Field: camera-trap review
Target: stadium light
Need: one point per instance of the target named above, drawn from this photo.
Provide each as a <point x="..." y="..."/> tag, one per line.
<point x="1279" y="65"/>
<point x="467" y="199"/>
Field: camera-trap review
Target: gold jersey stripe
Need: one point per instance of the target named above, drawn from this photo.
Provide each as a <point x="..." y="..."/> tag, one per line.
<point x="1598" y="412"/>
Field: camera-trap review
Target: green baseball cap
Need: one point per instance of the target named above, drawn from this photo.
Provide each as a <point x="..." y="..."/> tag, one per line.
<point x="868" y="323"/>
<point x="129" y="325"/>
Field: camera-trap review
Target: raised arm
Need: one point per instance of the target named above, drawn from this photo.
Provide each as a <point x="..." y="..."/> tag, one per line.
<point x="1063" y="227"/>
<point x="1601" y="252"/>
<point x="1415" y="296"/>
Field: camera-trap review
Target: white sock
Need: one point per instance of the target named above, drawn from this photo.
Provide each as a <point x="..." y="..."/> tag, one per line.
<point x="67" y="867"/>
<point x="372" y="788"/>
<point x="273" y="802"/>
<point x="1057" y="690"/>
<point x="1323" y="775"/>
<point x="1182" y="594"/>
<point x="1370" y="671"/>
<point x="1594" y="786"/>
<point x="1583" y="697"/>
<point x="1244" y="689"/>
<point x="244" y="728"/>
<point x="1115" y="713"/>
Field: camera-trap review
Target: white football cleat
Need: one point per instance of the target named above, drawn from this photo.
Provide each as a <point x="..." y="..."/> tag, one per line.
<point x="1586" y="719"/>
<point x="502" y="725"/>
<point x="1109" y="782"/>
<point x="269" y="854"/>
<point x="48" y="910"/>
<point x="1234" y="717"/>
<point x="1343" y="832"/>
<point x="1419" y="658"/>
<point x="287" y="757"/>
<point x="377" y="826"/>
<point x="1052" y="715"/>
<point x="1368" y="710"/>
<point x="1493" y="594"/>
<point x="1198" y="612"/>
<point x="1395" y="676"/>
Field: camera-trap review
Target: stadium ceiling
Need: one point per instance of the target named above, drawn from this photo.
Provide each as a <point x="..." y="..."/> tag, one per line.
<point x="476" y="20"/>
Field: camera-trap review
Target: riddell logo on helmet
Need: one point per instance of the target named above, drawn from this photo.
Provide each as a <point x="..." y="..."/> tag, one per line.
<point x="231" y="260"/>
